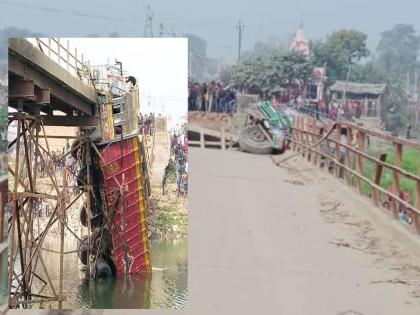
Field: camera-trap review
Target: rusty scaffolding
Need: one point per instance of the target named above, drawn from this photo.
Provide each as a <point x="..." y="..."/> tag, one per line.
<point x="26" y="252"/>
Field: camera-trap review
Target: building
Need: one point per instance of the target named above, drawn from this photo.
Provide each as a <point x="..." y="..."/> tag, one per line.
<point x="366" y="98"/>
<point x="299" y="42"/>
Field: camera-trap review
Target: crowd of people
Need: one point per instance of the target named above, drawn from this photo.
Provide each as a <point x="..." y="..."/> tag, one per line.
<point x="179" y="154"/>
<point x="57" y="162"/>
<point x="147" y="124"/>
<point x="211" y="97"/>
<point x="63" y="166"/>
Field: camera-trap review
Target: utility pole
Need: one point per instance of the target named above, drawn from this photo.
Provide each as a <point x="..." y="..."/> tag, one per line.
<point x="240" y="28"/>
<point x="344" y="100"/>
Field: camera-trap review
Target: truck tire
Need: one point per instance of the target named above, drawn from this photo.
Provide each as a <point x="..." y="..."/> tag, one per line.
<point x="102" y="270"/>
<point x="83" y="216"/>
<point x="97" y="219"/>
<point x="253" y="140"/>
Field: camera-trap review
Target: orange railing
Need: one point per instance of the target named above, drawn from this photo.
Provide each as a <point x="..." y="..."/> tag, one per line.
<point x="347" y="153"/>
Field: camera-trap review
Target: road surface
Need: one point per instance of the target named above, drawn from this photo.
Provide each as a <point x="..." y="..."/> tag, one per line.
<point x="270" y="240"/>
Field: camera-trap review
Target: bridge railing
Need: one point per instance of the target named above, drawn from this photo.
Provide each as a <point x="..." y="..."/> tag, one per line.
<point x="70" y="59"/>
<point x="370" y="161"/>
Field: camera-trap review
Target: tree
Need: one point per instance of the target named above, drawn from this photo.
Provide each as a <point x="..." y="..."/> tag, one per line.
<point x="340" y="50"/>
<point x="269" y="75"/>
<point x="248" y="75"/>
<point x="398" y="49"/>
<point x="368" y="72"/>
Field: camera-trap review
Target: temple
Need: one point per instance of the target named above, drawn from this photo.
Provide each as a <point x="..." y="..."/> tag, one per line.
<point x="299" y="42"/>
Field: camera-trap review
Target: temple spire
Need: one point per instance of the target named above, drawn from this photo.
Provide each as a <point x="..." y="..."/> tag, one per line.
<point x="299" y="42"/>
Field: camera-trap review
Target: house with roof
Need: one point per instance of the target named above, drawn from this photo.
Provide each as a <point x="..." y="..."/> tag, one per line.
<point x="359" y="99"/>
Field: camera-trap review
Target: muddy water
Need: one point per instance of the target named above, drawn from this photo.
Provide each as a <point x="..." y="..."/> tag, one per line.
<point x="165" y="287"/>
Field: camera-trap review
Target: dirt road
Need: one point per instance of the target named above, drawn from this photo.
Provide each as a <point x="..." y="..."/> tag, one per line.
<point x="269" y="240"/>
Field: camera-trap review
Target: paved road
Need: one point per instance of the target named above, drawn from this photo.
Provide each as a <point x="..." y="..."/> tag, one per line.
<point x="269" y="240"/>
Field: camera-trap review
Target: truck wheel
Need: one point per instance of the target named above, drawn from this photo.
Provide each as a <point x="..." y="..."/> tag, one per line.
<point x="102" y="269"/>
<point x="253" y="140"/>
<point x="95" y="222"/>
<point x="83" y="216"/>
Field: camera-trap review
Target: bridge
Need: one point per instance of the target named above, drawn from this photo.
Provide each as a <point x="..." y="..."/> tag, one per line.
<point x="311" y="231"/>
<point x="52" y="81"/>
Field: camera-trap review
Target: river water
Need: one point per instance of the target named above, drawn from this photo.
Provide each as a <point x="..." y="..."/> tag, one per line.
<point x="166" y="287"/>
<point x="3" y="277"/>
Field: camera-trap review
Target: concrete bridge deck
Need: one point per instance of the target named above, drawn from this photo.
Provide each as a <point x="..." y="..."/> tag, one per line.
<point x="42" y="84"/>
<point x="292" y="241"/>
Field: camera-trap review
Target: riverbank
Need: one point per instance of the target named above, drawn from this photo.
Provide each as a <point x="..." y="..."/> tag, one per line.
<point x="168" y="214"/>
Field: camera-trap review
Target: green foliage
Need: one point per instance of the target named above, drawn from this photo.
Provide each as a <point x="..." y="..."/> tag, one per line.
<point x="170" y="171"/>
<point x="166" y="220"/>
<point x="398" y="50"/>
<point x="341" y="49"/>
<point x="269" y="74"/>
<point x="395" y="113"/>
<point x="410" y="162"/>
<point x="366" y="73"/>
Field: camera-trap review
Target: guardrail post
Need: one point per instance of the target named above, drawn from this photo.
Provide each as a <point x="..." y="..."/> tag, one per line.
<point x="309" y="138"/>
<point x="223" y="139"/>
<point x="202" y="144"/>
<point x="314" y="140"/>
<point x="378" y="175"/>
<point x="348" y="161"/>
<point x="337" y="149"/>
<point x="59" y="50"/>
<point x="68" y="55"/>
<point x="294" y="132"/>
<point x="417" y="216"/>
<point x="301" y="134"/>
<point x="359" y="163"/>
<point x="398" y="150"/>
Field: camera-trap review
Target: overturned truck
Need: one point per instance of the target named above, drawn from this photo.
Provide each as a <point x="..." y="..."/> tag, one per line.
<point x="266" y="130"/>
<point x="114" y="176"/>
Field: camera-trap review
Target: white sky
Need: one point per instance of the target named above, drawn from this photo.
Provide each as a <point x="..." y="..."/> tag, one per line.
<point x="160" y="66"/>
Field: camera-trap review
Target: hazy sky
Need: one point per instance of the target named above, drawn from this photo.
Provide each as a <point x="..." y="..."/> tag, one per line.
<point x="160" y="66"/>
<point x="213" y="20"/>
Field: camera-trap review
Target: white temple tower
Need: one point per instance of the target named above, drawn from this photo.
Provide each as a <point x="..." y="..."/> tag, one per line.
<point x="300" y="43"/>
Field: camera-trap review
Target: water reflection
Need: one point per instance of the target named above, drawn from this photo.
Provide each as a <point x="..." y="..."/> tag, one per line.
<point x="165" y="287"/>
<point x="131" y="292"/>
<point x="3" y="277"/>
